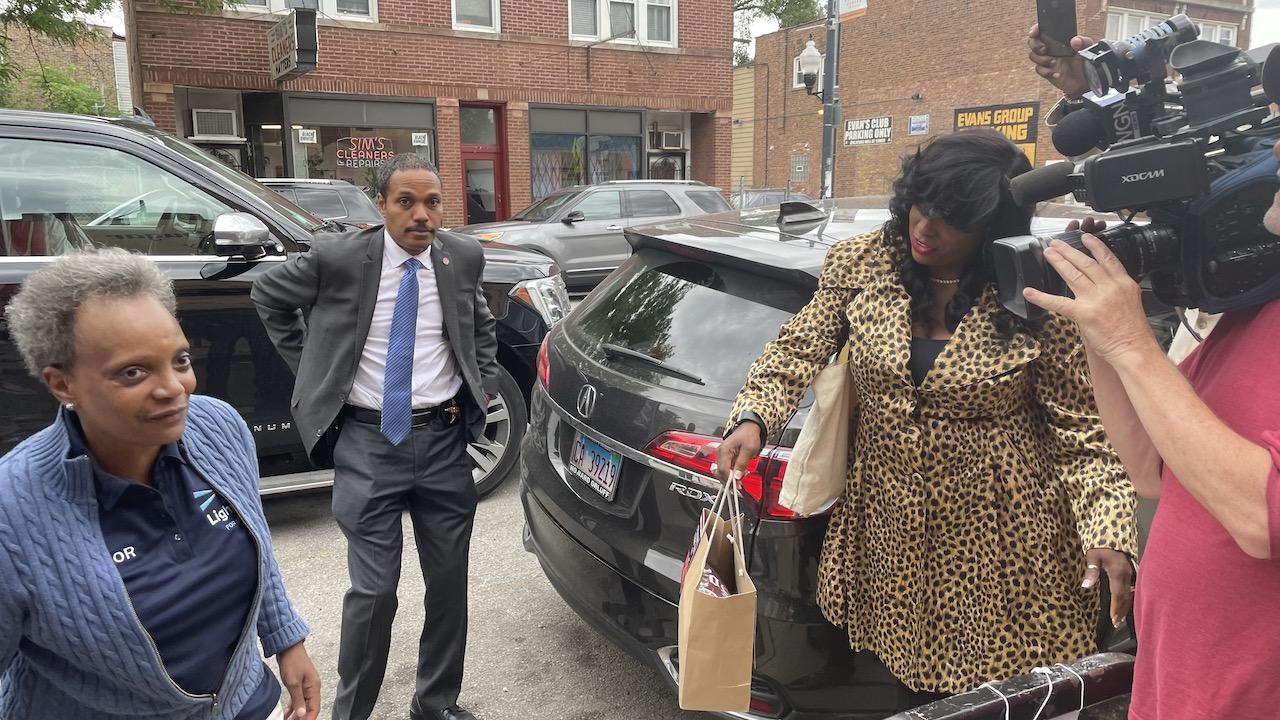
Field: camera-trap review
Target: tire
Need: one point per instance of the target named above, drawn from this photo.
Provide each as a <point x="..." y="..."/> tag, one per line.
<point x="494" y="455"/>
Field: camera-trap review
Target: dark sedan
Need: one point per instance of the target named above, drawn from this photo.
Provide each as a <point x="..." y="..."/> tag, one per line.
<point x="634" y="388"/>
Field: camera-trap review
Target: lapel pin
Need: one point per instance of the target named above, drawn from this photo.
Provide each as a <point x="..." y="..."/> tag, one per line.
<point x="445" y="259"/>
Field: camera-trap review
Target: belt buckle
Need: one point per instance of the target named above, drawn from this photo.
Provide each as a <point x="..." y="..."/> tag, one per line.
<point x="453" y="410"/>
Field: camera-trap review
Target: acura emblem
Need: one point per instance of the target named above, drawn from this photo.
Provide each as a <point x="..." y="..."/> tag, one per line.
<point x="587" y="401"/>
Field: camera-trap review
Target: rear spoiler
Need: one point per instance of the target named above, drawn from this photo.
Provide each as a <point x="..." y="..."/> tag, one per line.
<point x="735" y="246"/>
<point x="1108" y="679"/>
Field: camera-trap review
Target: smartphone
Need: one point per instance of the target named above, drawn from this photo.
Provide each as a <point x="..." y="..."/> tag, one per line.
<point x="1057" y="20"/>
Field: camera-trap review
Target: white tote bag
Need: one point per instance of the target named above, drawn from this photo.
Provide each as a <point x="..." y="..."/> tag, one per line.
<point x="816" y="474"/>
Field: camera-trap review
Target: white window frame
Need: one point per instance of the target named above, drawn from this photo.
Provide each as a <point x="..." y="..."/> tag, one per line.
<point x="1148" y="19"/>
<point x="495" y="7"/>
<point x="797" y="80"/>
<point x="1217" y="28"/>
<point x="328" y="10"/>
<point x="604" y="32"/>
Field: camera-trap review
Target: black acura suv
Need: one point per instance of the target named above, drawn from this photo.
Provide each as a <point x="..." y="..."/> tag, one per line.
<point x="71" y="182"/>
<point x="634" y="388"/>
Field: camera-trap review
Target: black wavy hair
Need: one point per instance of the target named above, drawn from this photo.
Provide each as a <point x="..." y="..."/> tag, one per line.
<point x="962" y="179"/>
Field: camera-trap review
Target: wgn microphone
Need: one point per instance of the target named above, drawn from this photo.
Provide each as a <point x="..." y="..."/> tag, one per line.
<point x="1081" y="131"/>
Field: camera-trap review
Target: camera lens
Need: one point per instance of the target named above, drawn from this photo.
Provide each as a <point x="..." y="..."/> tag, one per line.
<point x="1098" y="75"/>
<point x="1143" y="249"/>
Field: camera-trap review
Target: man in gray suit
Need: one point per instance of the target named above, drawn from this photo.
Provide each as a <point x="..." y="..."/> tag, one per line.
<point x="394" y="351"/>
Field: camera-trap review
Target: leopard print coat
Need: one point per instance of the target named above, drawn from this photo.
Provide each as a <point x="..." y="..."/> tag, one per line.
<point x="957" y="551"/>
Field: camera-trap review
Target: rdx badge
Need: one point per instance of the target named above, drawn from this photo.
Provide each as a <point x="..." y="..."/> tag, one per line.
<point x="691" y="492"/>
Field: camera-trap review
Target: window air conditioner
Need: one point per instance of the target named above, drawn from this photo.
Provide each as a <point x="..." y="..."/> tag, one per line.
<point x="213" y="123"/>
<point x="672" y="141"/>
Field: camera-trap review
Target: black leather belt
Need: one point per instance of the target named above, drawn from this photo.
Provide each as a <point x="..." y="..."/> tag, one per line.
<point x="448" y="411"/>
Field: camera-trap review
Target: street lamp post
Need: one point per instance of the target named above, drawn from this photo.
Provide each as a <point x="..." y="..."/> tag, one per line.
<point x="810" y="61"/>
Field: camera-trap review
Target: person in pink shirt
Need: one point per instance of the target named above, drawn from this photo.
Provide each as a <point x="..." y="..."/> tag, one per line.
<point x="1204" y="438"/>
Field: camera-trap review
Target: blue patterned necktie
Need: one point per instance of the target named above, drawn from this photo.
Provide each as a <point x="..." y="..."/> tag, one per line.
<point x="397" y="377"/>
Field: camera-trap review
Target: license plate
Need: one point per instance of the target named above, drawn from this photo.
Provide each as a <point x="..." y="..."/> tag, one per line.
<point x="595" y="465"/>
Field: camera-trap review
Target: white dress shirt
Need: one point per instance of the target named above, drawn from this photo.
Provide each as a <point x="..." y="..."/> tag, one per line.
<point x="435" y="372"/>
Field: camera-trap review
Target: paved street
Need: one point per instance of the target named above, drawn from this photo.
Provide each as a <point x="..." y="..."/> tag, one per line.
<point x="529" y="656"/>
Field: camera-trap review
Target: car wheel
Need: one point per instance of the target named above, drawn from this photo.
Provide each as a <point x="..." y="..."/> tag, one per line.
<point x="494" y="454"/>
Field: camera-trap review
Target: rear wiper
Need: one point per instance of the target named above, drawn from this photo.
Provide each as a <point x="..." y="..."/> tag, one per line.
<point x="617" y="351"/>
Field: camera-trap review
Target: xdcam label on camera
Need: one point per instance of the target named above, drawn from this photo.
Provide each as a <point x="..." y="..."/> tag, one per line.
<point x="1140" y="176"/>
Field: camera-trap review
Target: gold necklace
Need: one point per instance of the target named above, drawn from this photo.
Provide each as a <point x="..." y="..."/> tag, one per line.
<point x="956" y="281"/>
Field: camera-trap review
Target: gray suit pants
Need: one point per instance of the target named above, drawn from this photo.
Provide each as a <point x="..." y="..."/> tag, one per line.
<point x="428" y="475"/>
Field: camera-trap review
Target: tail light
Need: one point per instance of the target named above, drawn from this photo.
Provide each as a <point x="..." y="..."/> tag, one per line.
<point x="696" y="453"/>
<point x="544" y="365"/>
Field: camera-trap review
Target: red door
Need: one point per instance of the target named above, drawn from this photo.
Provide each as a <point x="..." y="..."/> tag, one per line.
<point x="484" y="163"/>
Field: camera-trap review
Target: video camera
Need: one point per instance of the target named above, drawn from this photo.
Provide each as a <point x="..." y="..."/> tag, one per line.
<point x="1198" y="162"/>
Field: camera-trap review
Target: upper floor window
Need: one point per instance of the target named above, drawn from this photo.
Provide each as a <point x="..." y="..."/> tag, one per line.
<point x="797" y="77"/>
<point x="331" y="9"/>
<point x="1224" y="33"/>
<point x="1126" y="23"/>
<point x="647" y="22"/>
<point x="476" y="15"/>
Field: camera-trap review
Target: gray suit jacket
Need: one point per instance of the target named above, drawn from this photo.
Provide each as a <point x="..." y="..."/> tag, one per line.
<point x="317" y="308"/>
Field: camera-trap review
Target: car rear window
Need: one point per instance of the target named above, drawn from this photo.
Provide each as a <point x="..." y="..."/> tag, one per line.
<point x="324" y="203"/>
<point x="287" y="194"/>
<point x="708" y="200"/>
<point x="651" y="203"/>
<point x="700" y="320"/>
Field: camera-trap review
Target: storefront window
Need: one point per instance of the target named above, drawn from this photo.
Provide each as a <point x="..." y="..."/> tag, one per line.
<point x="614" y="157"/>
<point x="556" y="161"/>
<point x="355" y="154"/>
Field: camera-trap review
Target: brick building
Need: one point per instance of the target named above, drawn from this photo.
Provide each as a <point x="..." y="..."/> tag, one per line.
<point x="911" y="69"/>
<point x="512" y="98"/>
<point x="96" y="59"/>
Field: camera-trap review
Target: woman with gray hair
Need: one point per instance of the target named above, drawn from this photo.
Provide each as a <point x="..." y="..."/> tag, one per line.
<point x="138" y="573"/>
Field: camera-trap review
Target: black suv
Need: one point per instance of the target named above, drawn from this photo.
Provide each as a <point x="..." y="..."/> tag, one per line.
<point x="70" y="182"/>
<point x="634" y="389"/>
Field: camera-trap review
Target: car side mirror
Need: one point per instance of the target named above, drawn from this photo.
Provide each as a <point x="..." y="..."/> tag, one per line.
<point x="240" y="233"/>
<point x="573" y="217"/>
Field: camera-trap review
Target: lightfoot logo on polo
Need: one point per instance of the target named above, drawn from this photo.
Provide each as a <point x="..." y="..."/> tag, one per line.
<point x="221" y="516"/>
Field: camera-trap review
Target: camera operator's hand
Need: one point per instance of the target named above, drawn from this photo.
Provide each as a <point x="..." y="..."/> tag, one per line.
<point x="1107" y="305"/>
<point x="1090" y="225"/>
<point x="737" y="450"/>
<point x="1119" y="572"/>
<point x="1066" y="73"/>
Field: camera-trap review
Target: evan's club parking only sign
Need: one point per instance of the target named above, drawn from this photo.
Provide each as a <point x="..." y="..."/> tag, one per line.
<point x="868" y="131"/>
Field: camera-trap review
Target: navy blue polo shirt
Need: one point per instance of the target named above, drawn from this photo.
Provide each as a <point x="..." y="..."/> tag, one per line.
<point x="190" y="568"/>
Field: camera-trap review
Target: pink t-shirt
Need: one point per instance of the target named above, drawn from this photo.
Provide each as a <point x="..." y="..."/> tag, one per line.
<point x="1208" y="615"/>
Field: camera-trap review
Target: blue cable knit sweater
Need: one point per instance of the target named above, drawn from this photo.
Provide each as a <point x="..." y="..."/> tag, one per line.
<point x="71" y="646"/>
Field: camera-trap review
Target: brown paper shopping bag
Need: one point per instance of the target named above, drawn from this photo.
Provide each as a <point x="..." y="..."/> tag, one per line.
<point x="717" y="622"/>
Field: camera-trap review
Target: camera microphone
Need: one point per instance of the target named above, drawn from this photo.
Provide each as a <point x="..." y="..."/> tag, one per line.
<point x="1043" y="183"/>
<point x="1081" y="131"/>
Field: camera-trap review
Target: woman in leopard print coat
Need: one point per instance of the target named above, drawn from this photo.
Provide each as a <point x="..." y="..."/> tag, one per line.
<point x="981" y="488"/>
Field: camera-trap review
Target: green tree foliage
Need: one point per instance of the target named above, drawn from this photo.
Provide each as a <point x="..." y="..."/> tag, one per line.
<point x="788" y="13"/>
<point x="61" y="20"/>
<point x="55" y="89"/>
<point x="63" y="91"/>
